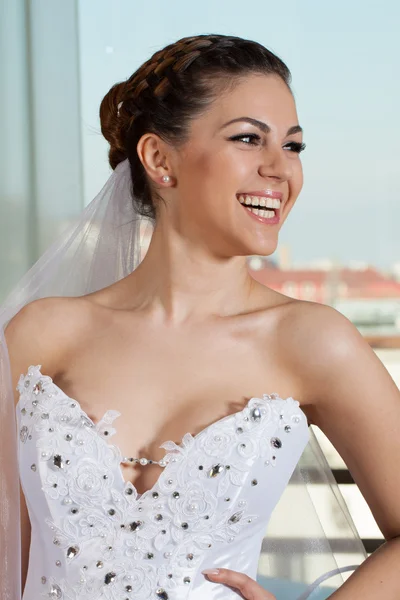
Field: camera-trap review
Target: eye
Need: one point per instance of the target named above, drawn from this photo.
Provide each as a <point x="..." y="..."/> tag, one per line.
<point x="253" y="137"/>
<point x="295" y="147"/>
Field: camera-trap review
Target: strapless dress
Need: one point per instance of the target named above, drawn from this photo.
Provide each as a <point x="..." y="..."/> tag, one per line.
<point x="94" y="537"/>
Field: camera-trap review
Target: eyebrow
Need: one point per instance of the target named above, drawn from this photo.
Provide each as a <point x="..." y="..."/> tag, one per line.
<point x="263" y="126"/>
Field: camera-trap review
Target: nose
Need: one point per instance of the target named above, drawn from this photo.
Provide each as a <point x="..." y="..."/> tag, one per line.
<point x="275" y="164"/>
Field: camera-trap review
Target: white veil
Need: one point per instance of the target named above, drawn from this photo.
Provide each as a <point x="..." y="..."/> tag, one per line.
<point x="103" y="246"/>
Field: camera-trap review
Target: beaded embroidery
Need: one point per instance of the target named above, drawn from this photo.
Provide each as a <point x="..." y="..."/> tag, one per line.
<point x="151" y="543"/>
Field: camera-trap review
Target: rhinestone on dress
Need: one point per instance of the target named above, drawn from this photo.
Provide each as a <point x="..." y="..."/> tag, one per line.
<point x="288" y="428"/>
<point x="55" y="592"/>
<point x="38" y="387"/>
<point x="58" y="461"/>
<point x="110" y="577"/>
<point x="162" y="594"/>
<point x="86" y="421"/>
<point x="72" y="551"/>
<point x="23" y="434"/>
<point x="235" y="518"/>
<point x="255" y="415"/>
<point x="135" y="525"/>
<point x="276" y="442"/>
<point x="254" y="482"/>
<point x="33" y="467"/>
<point x="215" y="470"/>
<point x="186" y="580"/>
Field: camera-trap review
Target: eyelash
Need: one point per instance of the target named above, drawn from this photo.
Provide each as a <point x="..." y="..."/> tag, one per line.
<point x="295" y="146"/>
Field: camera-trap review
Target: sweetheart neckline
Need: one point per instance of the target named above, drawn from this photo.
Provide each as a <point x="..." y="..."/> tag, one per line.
<point x="202" y="432"/>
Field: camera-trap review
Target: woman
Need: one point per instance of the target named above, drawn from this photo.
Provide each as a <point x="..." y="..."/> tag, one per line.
<point x="207" y="133"/>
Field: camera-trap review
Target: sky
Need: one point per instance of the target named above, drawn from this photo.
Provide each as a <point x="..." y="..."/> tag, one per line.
<point x="344" y="57"/>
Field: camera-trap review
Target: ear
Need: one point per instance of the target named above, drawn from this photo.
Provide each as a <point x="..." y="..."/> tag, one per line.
<point x="153" y="154"/>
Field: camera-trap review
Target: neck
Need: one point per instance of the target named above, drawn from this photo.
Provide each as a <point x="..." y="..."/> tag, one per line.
<point x="179" y="280"/>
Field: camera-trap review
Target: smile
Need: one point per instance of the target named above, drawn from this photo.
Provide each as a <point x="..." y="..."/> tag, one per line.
<point x="264" y="209"/>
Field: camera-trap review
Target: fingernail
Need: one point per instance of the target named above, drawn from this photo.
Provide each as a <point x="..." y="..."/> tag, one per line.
<point x="210" y="571"/>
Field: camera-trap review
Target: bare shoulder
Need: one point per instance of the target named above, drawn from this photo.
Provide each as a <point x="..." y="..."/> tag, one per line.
<point x="318" y="344"/>
<point x="310" y="326"/>
<point x="44" y="331"/>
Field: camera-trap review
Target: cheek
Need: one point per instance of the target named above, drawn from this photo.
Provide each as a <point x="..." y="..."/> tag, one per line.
<point x="222" y="165"/>
<point x="211" y="181"/>
<point x="295" y="185"/>
<point x="296" y="181"/>
<point x="299" y="177"/>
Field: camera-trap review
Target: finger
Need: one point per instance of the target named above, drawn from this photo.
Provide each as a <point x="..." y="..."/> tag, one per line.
<point x="248" y="587"/>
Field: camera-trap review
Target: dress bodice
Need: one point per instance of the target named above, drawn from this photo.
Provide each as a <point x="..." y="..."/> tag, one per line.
<point x="94" y="537"/>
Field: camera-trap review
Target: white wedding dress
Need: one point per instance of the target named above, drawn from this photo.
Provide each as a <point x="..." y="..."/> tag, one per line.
<point x="95" y="537"/>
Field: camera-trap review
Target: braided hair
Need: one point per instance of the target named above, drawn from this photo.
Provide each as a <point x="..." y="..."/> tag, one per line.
<point x="177" y="84"/>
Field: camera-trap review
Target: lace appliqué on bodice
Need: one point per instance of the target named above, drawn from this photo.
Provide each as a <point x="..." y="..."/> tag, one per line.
<point x="110" y="542"/>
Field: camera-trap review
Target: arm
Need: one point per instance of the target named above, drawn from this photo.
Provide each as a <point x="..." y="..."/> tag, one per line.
<point x="351" y="397"/>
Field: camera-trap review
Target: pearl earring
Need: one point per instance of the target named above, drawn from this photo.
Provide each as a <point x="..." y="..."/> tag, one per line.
<point x="166" y="178"/>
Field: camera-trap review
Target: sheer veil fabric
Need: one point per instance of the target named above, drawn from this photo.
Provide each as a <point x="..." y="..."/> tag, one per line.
<point x="103" y="246"/>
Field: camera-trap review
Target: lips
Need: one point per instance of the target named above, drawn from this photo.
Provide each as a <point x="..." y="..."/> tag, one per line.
<point x="263" y="194"/>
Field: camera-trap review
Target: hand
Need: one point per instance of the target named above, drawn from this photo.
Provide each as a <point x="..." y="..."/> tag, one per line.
<point x="247" y="587"/>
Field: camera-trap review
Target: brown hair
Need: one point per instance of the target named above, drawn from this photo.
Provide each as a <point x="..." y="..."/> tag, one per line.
<point x="170" y="89"/>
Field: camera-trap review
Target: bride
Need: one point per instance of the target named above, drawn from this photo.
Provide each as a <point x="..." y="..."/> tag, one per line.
<point x="184" y="352"/>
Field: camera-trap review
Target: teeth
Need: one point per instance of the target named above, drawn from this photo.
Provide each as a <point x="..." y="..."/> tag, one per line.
<point x="259" y="201"/>
<point x="267" y="214"/>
